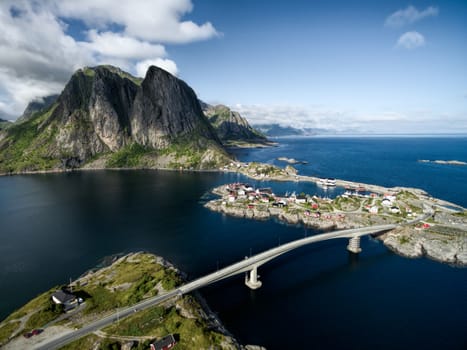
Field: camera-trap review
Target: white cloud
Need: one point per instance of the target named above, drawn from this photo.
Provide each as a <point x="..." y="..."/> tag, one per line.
<point x="410" y="15"/>
<point x="38" y="55"/>
<point x="166" y="64"/>
<point x="109" y="44"/>
<point x="411" y="40"/>
<point x="154" y="20"/>
<point x="342" y="121"/>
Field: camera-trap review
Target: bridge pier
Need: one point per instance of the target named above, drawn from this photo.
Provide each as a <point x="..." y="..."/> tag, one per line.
<point x="251" y="279"/>
<point x="354" y="245"/>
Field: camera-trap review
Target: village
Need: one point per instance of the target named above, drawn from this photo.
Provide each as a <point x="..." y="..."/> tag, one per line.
<point x="356" y="207"/>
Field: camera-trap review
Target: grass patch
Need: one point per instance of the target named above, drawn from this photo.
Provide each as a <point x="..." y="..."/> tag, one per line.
<point x="404" y="239"/>
<point x="193" y="333"/>
<point x="27" y="145"/>
<point x="86" y="342"/>
<point x="7" y="330"/>
<point x="128" y="157"/>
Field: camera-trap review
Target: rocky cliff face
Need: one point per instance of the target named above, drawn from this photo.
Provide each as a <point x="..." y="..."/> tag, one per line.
<point x="104" y="112"/>
<point x="167" y="108"/>
<point x="230" y="125"/>
<point x="93" y="113"/>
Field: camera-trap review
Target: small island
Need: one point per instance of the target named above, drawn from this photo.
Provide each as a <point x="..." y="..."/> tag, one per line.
<point x="127" y="280"/>
<point x="427" y="226"/>
<point x="291" y="160"/>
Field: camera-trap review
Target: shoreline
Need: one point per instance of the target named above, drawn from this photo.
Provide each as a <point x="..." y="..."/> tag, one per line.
<point x="191" y="308"/>
<point x="239" y="167"/>
<point x="425" y="228"/>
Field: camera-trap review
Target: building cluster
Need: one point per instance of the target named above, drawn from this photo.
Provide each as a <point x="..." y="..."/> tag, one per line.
<point x="245" y="192"/>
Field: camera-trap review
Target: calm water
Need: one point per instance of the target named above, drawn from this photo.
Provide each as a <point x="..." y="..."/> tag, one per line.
<point x="54" y="227"/>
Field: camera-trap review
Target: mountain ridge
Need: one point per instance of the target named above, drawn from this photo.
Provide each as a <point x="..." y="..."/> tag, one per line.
<point x="104" y="117"/>
<point x="231" y="127"/>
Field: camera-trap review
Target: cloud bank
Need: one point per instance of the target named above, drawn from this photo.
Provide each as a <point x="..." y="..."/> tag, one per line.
<point x="40" y="48"/>
<point x="342" y="121"/>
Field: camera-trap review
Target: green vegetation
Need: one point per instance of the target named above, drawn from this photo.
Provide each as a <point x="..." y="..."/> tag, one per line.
<point x="124" y="283"/>
<point x="27" y="145"/>
<point x="131" y="282"/>
<point x="188" y="151"/>
<point x="461" y="214"/>
<point x="87" y="342"/>
<point x="404" y="239"/>
<point x="44" y="315"/>
<point x="346" y="203"/>
<point x="193" y="331"/>
<point x="7" y="330"/>
<point x="123" y="74"/>
<point x="264" y="169"/>
<point x="130" y="156"/>
<point x="88" y="71"/>
<point x="4" y="124"/>
<point x="403" y="195"/>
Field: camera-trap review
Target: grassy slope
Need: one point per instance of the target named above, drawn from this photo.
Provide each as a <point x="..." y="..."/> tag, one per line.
<point x="27" y="145"/>
<point x="125" y="283"/>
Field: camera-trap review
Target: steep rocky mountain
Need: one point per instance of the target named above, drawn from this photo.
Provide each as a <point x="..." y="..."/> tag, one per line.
<point x="230" y="125"/>
<point x="37" y="106"/>
<point x="106" y="118"/>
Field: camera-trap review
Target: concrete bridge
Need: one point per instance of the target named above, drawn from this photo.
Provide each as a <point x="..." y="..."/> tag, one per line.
<point x="250" y="264"/>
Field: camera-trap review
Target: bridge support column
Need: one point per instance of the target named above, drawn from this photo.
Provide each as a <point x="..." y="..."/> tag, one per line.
<point x="251" y="279"/>
<point x="354" y="245"/>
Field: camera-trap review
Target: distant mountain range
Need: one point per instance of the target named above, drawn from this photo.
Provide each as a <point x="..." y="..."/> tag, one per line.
<point x="105" y="117"/>
<point x="230" y="126"/>
<point x="277" y="130"/>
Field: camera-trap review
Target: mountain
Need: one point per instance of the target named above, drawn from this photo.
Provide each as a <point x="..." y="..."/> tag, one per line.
<point x="105" y="117"/>
<point x="37" y="106"/>
<point x="230" y="126"/>
<point x="4" y="124"/>
<point x="277" y="130"/>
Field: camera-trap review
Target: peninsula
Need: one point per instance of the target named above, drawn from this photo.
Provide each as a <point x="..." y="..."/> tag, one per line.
<point x="126" y="281"/>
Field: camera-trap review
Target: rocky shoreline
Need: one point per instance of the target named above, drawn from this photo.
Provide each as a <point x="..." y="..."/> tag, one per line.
<point x="118" y="274"/>
<point x="427" y="228"/>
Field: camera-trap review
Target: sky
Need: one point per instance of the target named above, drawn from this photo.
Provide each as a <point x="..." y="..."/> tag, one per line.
<point x="369" y="67"/>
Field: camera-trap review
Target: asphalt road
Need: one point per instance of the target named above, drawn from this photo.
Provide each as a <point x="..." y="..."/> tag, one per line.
<point x="231" y="270"/>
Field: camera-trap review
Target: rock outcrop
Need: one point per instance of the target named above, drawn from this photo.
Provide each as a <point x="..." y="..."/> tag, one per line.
<point x="166" y="108"/>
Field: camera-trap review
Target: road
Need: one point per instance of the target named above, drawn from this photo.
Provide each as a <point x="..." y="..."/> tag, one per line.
<point x="237" y="268"/>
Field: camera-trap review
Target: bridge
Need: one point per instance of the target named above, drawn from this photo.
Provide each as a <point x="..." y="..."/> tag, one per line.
<point x="249" y="266"/>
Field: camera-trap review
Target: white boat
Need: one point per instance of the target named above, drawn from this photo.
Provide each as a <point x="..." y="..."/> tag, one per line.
<point x="327" y="182"/>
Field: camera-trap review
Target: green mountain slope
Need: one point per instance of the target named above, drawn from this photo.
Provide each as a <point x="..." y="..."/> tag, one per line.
<point x="106" y="118"/>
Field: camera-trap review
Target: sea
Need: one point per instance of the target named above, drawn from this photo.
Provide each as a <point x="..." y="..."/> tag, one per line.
<point x="54" y="227"/>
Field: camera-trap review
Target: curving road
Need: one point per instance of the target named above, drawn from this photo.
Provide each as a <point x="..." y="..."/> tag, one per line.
<point x="229" y="271"/>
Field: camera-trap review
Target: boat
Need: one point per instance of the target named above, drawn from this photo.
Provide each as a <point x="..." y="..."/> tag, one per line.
<point x="327" y="182"/>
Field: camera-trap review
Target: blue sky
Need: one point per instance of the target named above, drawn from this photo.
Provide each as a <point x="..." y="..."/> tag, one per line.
<point x="349" y="66"/>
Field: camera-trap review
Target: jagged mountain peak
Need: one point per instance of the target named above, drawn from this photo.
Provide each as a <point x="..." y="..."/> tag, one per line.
<point x="103" y="110"/>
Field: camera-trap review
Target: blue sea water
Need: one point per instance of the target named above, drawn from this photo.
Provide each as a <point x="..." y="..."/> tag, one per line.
<point x="56" y="226"/>
<point x="386" y="161"/>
